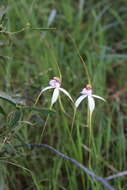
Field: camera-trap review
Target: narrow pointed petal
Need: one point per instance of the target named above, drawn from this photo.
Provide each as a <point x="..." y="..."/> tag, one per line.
<point x="91" y="104"/>
<point x="66" y="93"/>
<point x="55" y="96"/>
<point x="95" y="96"/>
<point x="79" y="100"/>
<point x="46" y="88"/>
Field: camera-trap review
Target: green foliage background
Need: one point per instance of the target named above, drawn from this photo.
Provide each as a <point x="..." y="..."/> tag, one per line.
<point x="28" y="60"/>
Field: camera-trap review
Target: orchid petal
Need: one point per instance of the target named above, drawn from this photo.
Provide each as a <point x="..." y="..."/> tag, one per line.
<point x="66" y="93"/>
<point x="95" y="96"/>
<point x="79" y="100"/>
<point x="91" y="104"/>
<point x="55" y="96"/>
<point x="46" y="88"/>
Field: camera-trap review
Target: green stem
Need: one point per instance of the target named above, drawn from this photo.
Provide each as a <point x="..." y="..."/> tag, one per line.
<point x="43" y="130"/>
<point x="84" y="64"/>
<point x="90" y="136"/>
<point x="73" y="120"/>
<point x="50" y="47"/>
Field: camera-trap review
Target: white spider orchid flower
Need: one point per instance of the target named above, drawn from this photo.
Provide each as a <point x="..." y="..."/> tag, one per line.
<point x="55" y="84"/>
<point x="87" y="93"/>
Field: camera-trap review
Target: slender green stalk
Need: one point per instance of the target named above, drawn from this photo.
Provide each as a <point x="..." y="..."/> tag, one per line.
<point x="73" y="120"/>
<point x="44" y="127"/>
<point x="45" y="124"/>
<point x="81" y="58"/>
<point x="51" y="51"/>
<point x="89" y="119"/>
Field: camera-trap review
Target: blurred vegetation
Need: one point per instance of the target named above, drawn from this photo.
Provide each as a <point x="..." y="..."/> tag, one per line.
<point x="28" y="58"/>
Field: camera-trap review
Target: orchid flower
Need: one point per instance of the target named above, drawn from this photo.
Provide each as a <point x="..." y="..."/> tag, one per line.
<point x="55" y="84"/>
<point x="87" y="93"/>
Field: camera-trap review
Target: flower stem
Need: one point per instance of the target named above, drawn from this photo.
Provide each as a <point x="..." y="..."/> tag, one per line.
<point x="73" y="120"/>
<point x="81" y="58"/>
<point x="43" y="130"/>
<point x="51" y="48"/>
<point x="90" y="136"/>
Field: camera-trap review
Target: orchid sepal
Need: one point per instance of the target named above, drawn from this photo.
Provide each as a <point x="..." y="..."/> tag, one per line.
<point x="66" y="93"/>
<point x="55" y="96"/>
<point x="79" y="100"/>
<point x="98" y="97"/>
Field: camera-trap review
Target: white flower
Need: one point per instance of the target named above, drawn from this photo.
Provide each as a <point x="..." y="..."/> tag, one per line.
<point x="55" y="84"/>
<point x="87" y="92"/>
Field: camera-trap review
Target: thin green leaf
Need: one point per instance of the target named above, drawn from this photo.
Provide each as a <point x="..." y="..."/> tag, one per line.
<point x="2" y="111"/>
<point x="14" y="118"/>
<point x="40" y="110"/>
<point x="9" y="99"/>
